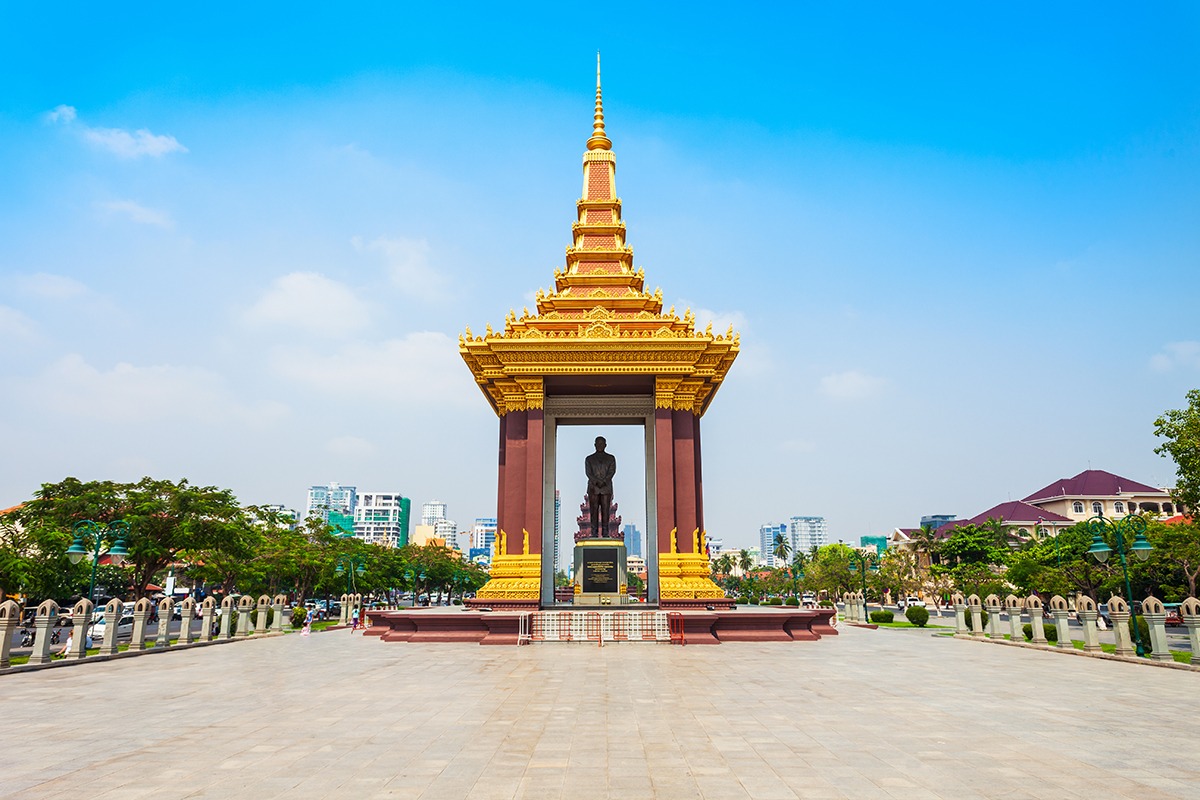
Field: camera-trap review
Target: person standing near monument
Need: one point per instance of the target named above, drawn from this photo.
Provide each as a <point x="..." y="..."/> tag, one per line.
<point x="600" y="468"/>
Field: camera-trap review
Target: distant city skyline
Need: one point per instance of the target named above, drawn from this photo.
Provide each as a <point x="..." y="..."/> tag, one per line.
<point x="957" y="241"/>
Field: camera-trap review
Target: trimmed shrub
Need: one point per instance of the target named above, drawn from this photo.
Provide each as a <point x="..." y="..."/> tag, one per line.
<point x="1143" y="629"/>
<point x="743" y="600"/>
<point x="792" y="601"/>
<point x="1028" y="630"/>
<point x="917" y="615"/>
<point x="754" y="600"/>
<point x="1051" y="633"/>
<point x="882" y="617"/>
<point x="983" y="620"/>
<point x="825" y="604"/>
<point x="298" y="616"/>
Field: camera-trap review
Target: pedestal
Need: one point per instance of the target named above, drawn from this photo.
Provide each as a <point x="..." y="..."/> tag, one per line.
<point x="600" y="572"/>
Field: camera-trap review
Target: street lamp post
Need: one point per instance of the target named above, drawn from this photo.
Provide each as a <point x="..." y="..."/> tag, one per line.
<point x="351" y="566"/>
<point x="115" y="531"/>
<point x="1135" y="524"/>
<point x="865" y="561"/>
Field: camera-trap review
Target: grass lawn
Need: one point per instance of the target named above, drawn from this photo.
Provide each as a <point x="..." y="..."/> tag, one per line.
<point x="1180" y="656"/>
<point x="907" y="624"/>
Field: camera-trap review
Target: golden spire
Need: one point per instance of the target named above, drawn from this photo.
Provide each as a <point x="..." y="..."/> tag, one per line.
<point x="598" y="141"/>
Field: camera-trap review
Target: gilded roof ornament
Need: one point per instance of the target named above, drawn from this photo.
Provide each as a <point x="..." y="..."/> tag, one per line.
<point x="599" y="140"/>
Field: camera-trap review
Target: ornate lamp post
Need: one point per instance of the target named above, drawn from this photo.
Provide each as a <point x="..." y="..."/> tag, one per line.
<point x="114" y="531"/>
<point x="866" y="561"/>
<point x="350" y="566"/>
<point x="1133" y="524"/>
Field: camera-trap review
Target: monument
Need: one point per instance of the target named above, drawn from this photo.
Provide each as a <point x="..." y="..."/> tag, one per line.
<point x="600" y="560"/>
<point x="599" y="349"/>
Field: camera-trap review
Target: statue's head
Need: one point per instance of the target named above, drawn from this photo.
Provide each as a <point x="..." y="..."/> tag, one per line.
<point x="600" y="444"/>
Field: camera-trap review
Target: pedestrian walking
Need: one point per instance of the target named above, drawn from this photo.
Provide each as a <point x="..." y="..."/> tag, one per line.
<point x="308" y="621"/>
<point x="354" y="619"/>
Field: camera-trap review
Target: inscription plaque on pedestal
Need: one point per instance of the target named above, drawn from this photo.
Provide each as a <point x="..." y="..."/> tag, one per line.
<point x="600" y="570"/>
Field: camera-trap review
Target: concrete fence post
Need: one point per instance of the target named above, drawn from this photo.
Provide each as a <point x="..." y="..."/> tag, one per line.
<point x="976" y="607"/>
<point x="141" y="621"/>
<point x="187" y="615"/>
<point x="344" y="612"/>
<point x="1118" y="612"/>
<point x="47" y="613"/>
<point x="245" y="609"/>
<point x="1033" y="604"/>
<point x="279" y="604"/>
<point x="1088" y="614"/>
<point x="81" y="620"/>
<point x="1190" y="611"/>
<point x="226" y="625"/>
<point x="1156" y="619"/>
<point x="261" y="612"/>
<point x="208" y="609"/>
<point x="1014" y="605"/>
<point x="10" y="616"/>
<point x="166" y="607"/>
<point x="960" y="613"/>
<point x="112" y="619"/>
<point x="1062" y="625"/>
<point x="993" y="609"/>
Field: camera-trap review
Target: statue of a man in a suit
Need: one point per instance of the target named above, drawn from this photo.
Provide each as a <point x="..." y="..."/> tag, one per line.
<point x="600" y="467"/>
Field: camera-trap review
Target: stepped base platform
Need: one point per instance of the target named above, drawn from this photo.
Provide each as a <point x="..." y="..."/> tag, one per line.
<point x="516" y="627"/>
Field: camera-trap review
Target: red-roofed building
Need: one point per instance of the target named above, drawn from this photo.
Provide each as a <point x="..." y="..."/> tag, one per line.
<point x="1095" y="491"/>
<point x="1027" y="519"/>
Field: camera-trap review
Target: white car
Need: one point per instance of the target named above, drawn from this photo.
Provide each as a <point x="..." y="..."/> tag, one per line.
<point x="124" y="626"/>
<point x="913" y="601"/>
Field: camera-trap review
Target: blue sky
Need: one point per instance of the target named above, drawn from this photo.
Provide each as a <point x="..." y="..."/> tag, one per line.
<point x="237" y="244"/>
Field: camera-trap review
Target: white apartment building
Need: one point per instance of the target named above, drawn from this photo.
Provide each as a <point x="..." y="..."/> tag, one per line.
<point x="447" y="529"/>
<point x="381" y="518"/>
<point x="766" y="542"/>
<point x="483" y="533"/>
<point x="286" y="516"/>
<point x="330" y="497"/>
<point x="807" y="533"/>
<point x="432" y="511"/>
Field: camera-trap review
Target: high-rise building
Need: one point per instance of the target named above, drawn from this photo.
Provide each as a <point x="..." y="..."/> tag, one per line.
<point x="807" y="533"/>
<point x="382" y="518"/>
<point x="432" y="511"/>
<point x="447" y="529"/>
<point x="633" y="540"/>
<point x="483" y="533"/>
<point x="766" y="541"/>
<point x="330" y="497"/>
<point x="557" y="530"/>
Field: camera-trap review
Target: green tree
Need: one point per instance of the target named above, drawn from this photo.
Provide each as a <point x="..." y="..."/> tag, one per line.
<point x="1178" y="548"/>
<point x="745" y="562"/>
<point x="781" y="548"/>
<point x="975" y="557"/>
<point x="1181" y="430"/>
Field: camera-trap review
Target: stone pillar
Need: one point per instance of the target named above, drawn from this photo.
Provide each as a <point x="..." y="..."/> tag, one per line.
<point x="1062" y="614"/>
<point x="81" y="620"/>
<point x="1013" y="604"/>
<point x="516" y="455"/>
<point x="976" y="615"/>
<point x="960" y="614"/>
<point x="684" y="450"/>
<point x="862" y="607"/>
<point x="534" y="456"/>
<point x="993" y="609"/>
<point x="112" y="618"/>
<point x="1156" y="621"/>
<point x="1118" y="612"/>
<point x="10" y="615"/>
<point x="208" y="608"/>
<point x="1190" y="611"/>
<point x="279" y="605"/>
<point x="141" y="620"/>
<point x="226" y="618"/>
<point x="344" y="614"/>
<point x="1088" y="614"/>
<point x="502" y="454"/>
<point x="260" y="614"/>
<point x="47" y="612"/>
<point x="187" y="616"/>
<point x="245" y="609"/>
<point x="166" y="607"/>
<point x="697" y="470"/>
<point x="664" y="477"/>
<point x="1036" y="621"/>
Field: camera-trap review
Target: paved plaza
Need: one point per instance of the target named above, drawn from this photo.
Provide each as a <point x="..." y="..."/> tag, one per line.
<point x="868" y="714"/>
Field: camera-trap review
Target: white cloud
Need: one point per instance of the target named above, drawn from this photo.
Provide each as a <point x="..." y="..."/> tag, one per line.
<point x="1177" y="354"/>
<point x="424" y="366"/>
<point x="721" y="320"/>
<point x="63" y="114"/>
<point x="14" y="324"/>
<point x="118" y="141"/>
<point x="310" y="301"/>
<point x="851" y="385"/>
<point x="127" y="393"/>
<point x="407" y="264"/>
<point x="350" y="447"/>
<point x="52" y="287"/>
<point x="138" y="213"/>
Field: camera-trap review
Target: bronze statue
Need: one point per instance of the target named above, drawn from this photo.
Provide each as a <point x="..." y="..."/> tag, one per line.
<point x="600" y="468"/>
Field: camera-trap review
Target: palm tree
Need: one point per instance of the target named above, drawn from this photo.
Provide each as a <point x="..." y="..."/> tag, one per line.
<point x="925" y="541"/>
<point x="781" y="549"/>
<point x="797" y="567"/>
<point x="745" y="561"/>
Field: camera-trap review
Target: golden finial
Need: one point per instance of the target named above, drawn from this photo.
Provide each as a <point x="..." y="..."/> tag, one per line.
<point x="599" y="140"/>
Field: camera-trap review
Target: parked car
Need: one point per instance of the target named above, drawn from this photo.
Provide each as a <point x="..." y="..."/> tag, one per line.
<point x="1174" y="616"/>
<point x="912" y="601"/>
<point x="124" y="627"/>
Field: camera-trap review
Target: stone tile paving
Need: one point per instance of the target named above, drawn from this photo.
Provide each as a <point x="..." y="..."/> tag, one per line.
<point x="868" y="714"/>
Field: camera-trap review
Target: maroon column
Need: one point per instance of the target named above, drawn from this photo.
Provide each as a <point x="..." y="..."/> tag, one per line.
<point x="534" y="454"/>
<point x="685" y="478"/>
<point x="516" y="452"/>
<point x="664" y="476"/>
<point x="698" y="469"/>
<point x="501" y="518"/>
